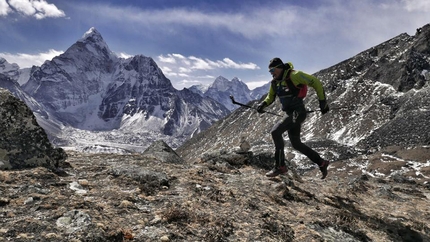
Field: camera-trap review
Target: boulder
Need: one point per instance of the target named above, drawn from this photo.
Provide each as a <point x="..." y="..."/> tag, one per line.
<point x="23" y="143"/>
<point x="160" y="151"/>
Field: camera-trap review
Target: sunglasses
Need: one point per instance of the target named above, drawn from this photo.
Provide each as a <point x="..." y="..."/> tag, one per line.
<point x="271" y="70"/>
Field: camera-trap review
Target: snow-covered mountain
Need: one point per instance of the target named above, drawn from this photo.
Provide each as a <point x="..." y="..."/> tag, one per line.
<point x="199" y="89"/>
<point x="14" y="72"/>
<point x="386" y="94"/>
<point x="259" y="92"/>
<point x="99" y="97"/>
<point x="10" y="70"/>
<point x="221" y="89"/>
<point x="51" y="126"/>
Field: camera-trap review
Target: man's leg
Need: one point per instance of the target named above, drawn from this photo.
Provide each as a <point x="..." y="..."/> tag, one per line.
<point x="277" y="131"/>
<point x="294" y="135"/>
<point x="278" y="139"/>
<point x="304" y="149"/>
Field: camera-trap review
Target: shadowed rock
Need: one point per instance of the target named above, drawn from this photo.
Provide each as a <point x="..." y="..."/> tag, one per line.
<point x="23" y="143"/>
<point x="159" y="150"/>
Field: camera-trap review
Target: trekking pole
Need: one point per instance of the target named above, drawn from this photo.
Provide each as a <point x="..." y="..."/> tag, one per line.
<point x="247" y="106"/>
<point x="336" y="108"/>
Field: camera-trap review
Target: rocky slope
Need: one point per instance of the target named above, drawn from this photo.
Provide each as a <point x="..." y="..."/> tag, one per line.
<point x="383" y="95"/>
<point x="222" y="196"/>
<point x="156" y="197"/>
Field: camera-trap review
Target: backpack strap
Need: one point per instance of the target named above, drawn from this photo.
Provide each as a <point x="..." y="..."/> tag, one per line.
<point x="299" y="91"/>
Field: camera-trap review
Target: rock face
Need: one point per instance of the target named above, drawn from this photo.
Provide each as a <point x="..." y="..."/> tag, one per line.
<point x="23" y="143"/>
<point x="160" y="151"/>
<point x="393" y="83"/>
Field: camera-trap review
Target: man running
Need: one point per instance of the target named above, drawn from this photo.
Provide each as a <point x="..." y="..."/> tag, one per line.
<point x="291" y="87"/>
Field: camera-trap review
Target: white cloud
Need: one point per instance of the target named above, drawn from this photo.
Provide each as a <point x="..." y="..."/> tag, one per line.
<point x="4" y="8"/>
<point x="417" y="5"/>
<point x="228" y="63"/>
<point x="45" y="9"/>
<point x="28" y="60"/>
<point x="183" y="75"/>
<point x="190" y="70"/>
<point x="179" y="56"/>
<point x="23" y="6"/>
<point x="253" y="23"/>
<point x="255" y="84"/>
<point x="329" y="23"/>
<point x="167" y="59"/>
<point x="186" y="64"/>
<point x="39" y="9"/>
<point x="200" y="64"/>
<point x="166" y="69"/>
<point x="312" y="38"/>
<point x="184" y="70"/>
<point x="124" y="55"/>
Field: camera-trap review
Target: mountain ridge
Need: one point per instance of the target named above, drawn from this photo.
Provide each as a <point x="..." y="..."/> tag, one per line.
<point x="374" y="103"/>
<point x="89" y="89"/>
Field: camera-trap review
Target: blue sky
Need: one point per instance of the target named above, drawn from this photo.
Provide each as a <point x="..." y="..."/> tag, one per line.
<point x="194" y="41"/>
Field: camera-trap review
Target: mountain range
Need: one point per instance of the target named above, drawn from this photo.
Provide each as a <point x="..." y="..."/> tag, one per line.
<point x="378" y="98"/>
<point x="88" y="97"/>
<point x="221" y="90"/>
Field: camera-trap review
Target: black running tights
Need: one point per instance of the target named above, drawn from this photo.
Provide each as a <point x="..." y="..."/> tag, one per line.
<point x="292" y="123"/>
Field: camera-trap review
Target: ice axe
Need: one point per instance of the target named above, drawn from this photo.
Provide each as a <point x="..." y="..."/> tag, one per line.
<point x="247" y="106"/>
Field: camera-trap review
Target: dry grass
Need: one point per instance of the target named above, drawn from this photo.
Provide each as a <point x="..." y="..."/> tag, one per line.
<point x="208" y="202"/>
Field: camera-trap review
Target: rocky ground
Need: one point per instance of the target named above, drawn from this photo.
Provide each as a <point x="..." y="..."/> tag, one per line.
<point x="144" y="197"/>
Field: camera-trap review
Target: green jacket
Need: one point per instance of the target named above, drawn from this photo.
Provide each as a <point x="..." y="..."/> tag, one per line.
<point x="297" y="78"/>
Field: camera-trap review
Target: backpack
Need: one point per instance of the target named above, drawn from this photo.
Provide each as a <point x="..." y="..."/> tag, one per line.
<point x="301" y="90"/>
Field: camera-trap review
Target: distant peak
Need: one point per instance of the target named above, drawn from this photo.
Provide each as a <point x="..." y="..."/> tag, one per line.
<point x="93" y="38"/>
<point x="92" y="33"/>
<point x="221" y="79"/>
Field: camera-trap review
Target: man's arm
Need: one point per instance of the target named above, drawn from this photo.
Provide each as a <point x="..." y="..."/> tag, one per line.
<point x="299" y="77"/>
<point x="270" y="98"/>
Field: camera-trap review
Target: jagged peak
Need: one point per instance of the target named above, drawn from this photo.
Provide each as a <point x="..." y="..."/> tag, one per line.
<point x="93" y="36"/>
<point x="236" y="79"/>
<point x="423" y="29"/>
<point x="221" y="78"/>
<point x="6" y="66"/>
<point x="92" y="32"/>
<point x="221" y="83"/>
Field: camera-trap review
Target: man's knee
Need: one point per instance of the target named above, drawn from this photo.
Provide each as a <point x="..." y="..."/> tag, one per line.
<point x="275" y="134"/>
<point x="296" y="143"/>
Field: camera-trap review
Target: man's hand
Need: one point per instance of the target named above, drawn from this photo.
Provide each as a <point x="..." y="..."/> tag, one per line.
<point x="324" y="106"/>
<point x="261" y="106"/>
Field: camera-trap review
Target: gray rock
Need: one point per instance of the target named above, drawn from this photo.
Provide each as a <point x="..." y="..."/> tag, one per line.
<point x="74" y="220"/>
<point x="23" y="143"/>
<point x="160" y="151"/>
